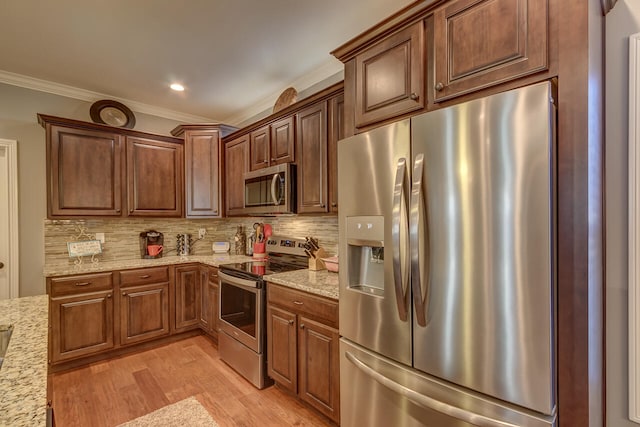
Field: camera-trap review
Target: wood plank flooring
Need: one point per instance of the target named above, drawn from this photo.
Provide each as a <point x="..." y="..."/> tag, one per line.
<point x="115" y="391"/>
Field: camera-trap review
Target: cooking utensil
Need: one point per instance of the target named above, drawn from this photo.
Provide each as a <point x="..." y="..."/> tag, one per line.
<point x="268" y="231"/>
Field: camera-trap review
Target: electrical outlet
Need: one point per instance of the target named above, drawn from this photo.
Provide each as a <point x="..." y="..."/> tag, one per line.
<point x="100" y="237"/>
<point x="201" y="233"/>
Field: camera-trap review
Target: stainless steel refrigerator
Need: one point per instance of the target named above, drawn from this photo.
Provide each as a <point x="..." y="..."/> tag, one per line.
<point x="447" y="267"/>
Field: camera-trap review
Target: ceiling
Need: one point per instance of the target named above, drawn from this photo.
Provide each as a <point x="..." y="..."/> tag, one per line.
<point x="234" y="57"/>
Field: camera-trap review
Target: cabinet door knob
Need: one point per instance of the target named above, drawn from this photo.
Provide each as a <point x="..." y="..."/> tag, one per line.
<point x="124" y="294"/>
<point x="439" y="86"/>
<point x="414" y="96"/>
<point x="322" y="205"/>
<point x="108" y="295"/>
<point x="334" y="204"/>
<point x="290" y="322"/>
<point x="273" y="160"/>
<point x="302" y="326"/>
<point x="1" y="265"/>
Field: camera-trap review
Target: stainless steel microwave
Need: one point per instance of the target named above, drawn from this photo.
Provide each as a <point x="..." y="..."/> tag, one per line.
<point x="270" y="191"/>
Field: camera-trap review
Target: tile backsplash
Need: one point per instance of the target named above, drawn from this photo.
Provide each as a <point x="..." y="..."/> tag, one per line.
<point x="122" y="235"/>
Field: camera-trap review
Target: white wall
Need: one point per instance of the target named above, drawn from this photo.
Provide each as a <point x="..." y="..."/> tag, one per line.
<point x="18" y="120"/>
<point x="621" y="22"/>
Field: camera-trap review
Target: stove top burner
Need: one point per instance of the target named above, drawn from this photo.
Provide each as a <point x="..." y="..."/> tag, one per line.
<point x="259" y="268"/>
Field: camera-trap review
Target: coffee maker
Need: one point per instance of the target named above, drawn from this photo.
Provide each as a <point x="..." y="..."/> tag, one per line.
<point x="151" y="244"/>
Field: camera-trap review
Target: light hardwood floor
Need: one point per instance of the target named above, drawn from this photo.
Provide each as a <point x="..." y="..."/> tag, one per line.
<point x="115" y="391"/>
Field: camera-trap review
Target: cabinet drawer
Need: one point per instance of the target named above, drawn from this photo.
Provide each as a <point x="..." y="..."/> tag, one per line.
<point x="142" y="276"/>
<point x="80" y="284"/>
<point x="302" y="302"/>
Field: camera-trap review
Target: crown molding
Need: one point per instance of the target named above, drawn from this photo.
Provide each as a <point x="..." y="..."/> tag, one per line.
<point x="325" y="70"/>
<point x="90" y="96"/>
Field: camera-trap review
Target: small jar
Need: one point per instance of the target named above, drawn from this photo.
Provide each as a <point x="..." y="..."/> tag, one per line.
<point x="240" y="241"/>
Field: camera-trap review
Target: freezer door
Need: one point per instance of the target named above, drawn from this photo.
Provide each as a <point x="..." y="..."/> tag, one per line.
<point x="373" y="177"/>
<point x="380" y="392"/>
<point x="485" y="293"/>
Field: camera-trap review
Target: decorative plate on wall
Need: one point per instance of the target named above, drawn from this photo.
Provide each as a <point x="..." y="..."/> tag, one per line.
<point x="285" y="99"/>
<point x="112" y="113"/>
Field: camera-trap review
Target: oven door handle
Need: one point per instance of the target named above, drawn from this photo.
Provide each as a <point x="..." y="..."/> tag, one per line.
<point x="249" y="284"/>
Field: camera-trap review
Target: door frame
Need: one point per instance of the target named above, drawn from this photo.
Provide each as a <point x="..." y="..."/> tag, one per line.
<point x="11" y="147"/>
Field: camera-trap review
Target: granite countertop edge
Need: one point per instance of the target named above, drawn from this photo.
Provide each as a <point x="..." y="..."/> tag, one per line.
<point x="23" y="376"/>
<point x="322" y="282"/>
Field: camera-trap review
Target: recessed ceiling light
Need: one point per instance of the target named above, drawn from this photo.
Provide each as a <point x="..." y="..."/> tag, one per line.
<point x="177" y="87"/>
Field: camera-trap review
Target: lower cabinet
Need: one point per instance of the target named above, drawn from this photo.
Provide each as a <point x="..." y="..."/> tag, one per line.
<point x="187" y="297"/>
<point x="94" y="312"/>
<point x="144" y="313"/>
<point x="303" y="347"/>
<point x="209" y="301"/>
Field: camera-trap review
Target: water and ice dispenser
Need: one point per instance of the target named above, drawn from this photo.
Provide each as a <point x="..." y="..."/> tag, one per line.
<point x="365" y="254"/>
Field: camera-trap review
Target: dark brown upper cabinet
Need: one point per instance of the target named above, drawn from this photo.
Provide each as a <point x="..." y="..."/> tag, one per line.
<point x="389" y="77"/>
<point x="483" y="43"/>
<point x="336" y="133"/>
<point x="154" y="178"/>
<point x="98" y="170"/>
<point x="312" y="159"/>
<point x="84" y="171"/>
<point x="273" y="144"/>
<point x="203" y="168"/>
<point x="236" y="154"/>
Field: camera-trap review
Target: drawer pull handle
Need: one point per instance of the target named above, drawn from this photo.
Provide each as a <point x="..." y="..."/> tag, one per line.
<point x="146" y="276"/>
<point x="83" y="283"/>
<point x="298" y="303"/>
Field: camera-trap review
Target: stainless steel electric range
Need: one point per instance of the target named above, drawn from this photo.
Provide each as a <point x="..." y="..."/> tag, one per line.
<point x="242" y="307"/>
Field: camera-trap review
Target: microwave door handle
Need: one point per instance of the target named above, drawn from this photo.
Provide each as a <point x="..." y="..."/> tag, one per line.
<point x="274" y="183"/>
<point x="417" y="198"/>
<point x="400" y="191"/>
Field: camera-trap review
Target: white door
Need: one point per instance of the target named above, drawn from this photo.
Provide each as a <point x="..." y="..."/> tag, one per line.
<point x="8" y="219"/>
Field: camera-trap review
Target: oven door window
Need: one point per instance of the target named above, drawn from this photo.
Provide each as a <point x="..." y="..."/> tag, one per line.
<point x="239" y="313"/>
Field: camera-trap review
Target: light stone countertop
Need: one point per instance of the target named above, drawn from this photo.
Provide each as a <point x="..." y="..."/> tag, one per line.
<point x="53" y="270"/>
<point x="321" y="282"/>
<point x="23" y="376"/>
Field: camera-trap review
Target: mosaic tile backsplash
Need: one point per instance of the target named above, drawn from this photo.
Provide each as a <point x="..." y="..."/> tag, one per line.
<point x="122" y="235"/>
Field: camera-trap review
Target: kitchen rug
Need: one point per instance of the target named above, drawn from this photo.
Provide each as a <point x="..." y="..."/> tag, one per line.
<point x="185" y="412"/>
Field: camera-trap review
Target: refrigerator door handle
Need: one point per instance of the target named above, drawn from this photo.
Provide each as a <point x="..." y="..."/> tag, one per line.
<point x="414" y="233"/>
<point x="426" y="401"/>
<point x="400" y="191"/>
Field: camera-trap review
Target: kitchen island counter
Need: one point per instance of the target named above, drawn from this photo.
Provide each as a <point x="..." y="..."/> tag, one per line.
<point x="23" y="376"/>
<point x="216" y="260"/>
<point x="321" y="282"/>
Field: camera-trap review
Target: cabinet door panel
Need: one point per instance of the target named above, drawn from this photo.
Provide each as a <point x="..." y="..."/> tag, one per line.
<point x="389" y="77"/>
<point x="336" y="133"/>
<point x="202" y="173"/>
<point x="260" y="141"/>
<point x="282" y="141"/>
<point x="319" y="367"/>
<point x="86" y="169"/>
<point x="154" y="177"/>
<point x="479" y="43"/>
<point x="144" y="313"/>
<point x="81" y="325"/>
<point x="236" y="164"/>
<point x="187" y="297"/>
<point x="312" y="159"/>
<point x="282" y="347"/>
